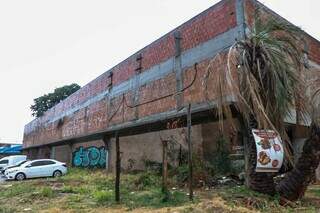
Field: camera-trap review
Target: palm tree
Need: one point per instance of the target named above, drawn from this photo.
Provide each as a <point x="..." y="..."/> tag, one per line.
<point x="268" y="85"/>
<point x="295" y="183"/>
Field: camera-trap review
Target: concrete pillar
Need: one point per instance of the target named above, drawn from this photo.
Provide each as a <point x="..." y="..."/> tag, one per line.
<point x="47" y="152"/>
<point x="38" y="153"/>
<point x="118" y="169"/>
<point x="53" y="152"/>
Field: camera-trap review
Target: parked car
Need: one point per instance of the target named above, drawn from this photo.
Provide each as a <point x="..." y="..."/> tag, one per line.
<point x="16" y="165"/>
<point x="37" y="168"/>
<point x="11" y="160"/>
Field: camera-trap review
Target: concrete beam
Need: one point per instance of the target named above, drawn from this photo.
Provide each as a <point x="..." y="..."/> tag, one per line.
<point x="201" y="113"/>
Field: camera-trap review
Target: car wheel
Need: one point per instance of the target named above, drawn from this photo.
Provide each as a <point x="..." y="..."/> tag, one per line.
<point x="20" y="176"/>
<point x="57" y="173"/>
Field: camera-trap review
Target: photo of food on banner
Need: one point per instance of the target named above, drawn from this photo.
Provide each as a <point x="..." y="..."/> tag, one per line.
<point x="270" y="151"/>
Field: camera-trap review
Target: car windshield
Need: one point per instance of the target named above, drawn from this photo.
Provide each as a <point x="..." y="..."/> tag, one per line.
<point x="5" y="161"/>
<point x="21" y="162"/>
<point x="18" y="164"/>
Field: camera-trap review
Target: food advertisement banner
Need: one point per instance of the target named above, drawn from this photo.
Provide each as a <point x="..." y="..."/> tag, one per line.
<point x="269" y="150"/>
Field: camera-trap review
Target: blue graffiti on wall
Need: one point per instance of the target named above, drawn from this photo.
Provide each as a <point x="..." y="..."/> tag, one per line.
<point x="91" y="157"/>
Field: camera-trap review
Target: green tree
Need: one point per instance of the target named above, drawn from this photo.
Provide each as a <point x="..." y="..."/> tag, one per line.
<point x="269" y="84"/>
<point x="47" y="101"/>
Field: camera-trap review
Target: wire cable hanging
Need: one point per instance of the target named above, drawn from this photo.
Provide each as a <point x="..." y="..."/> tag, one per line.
<point x="124" y="100"/>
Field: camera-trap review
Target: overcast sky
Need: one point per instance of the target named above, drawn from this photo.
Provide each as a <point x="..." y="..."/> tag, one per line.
<point x="46" y="44"/>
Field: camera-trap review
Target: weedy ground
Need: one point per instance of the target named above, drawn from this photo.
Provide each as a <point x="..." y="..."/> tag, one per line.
<point x="84" y="190"/>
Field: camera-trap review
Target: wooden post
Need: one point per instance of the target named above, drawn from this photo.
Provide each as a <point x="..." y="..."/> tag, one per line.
<point x="165" y="168"/>
<point x="118" y="167"/>
<point x="180" y="155"/>
<point x="190" y="153"/>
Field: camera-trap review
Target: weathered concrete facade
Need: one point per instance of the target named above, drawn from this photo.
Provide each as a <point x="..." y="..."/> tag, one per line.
<point x="137" y="149"/>
<point x="149" y="89"/>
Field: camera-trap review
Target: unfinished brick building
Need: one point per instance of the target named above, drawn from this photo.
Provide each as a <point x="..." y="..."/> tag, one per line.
<point x="141" y="96"/>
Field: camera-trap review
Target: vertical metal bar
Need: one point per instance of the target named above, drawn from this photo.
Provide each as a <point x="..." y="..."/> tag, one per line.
<point x="118" y="167"/>
<point x="190" y="153"/>
<point x="164" y="166"/>
<point x="180" y="155"/>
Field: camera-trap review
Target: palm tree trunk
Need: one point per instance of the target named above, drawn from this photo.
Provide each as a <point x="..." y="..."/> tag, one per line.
<point x="258" y="181"/>
<point x="295" y="183"/>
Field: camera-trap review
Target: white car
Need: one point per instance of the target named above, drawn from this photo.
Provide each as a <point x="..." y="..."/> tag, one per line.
<point x="37" y="168"/>
<point x="11" y="160"/>
<point x="13" y="166"/>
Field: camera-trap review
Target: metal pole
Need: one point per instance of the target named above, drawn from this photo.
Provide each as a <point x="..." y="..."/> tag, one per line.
<point x="118" y="167"/>
<point x="165" y="169"/>
<point x="190" y="153"/>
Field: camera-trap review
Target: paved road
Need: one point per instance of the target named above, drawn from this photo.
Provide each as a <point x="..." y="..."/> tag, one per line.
<point x="2" y="179"/>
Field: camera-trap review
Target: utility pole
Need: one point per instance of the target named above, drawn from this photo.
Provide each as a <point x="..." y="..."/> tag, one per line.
<point x="165" y="168"/>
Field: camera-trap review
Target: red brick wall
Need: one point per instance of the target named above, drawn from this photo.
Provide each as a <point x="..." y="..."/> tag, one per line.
<point x="313" y="45"/>
<point x="96" y="116"/>
<point x="101" y="114"/>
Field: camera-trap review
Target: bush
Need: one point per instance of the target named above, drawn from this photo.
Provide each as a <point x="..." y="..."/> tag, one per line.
<point x="220" y="160"/>
<point x="203" y="171"/>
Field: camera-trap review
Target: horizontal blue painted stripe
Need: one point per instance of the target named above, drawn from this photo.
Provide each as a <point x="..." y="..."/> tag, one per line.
<point x="197" y="54"/>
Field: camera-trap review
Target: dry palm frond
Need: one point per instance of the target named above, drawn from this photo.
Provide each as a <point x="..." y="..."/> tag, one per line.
<point x="268" y="83"/>
<point x="315" y="107"/>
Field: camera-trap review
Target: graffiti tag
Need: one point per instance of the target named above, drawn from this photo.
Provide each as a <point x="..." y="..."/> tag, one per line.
<point x="91" y="157"/>
<point x="174" y="124"/>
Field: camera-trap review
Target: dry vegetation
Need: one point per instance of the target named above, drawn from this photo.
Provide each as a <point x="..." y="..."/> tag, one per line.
<point x="88" y="191"/>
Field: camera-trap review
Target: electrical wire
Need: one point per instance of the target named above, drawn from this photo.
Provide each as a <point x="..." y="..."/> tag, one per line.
<point x="124" y="100"/>
<point x="169" y="95"/>
<point x="117" y="110"/>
